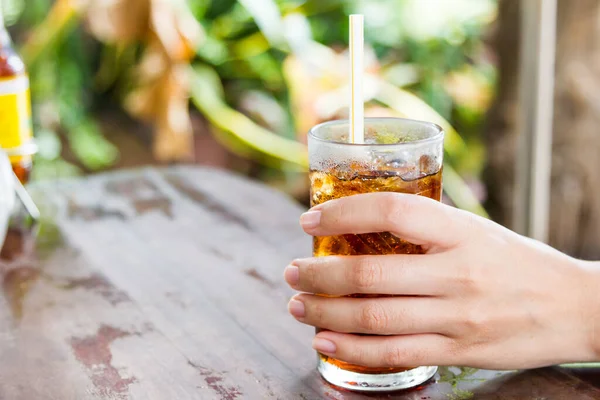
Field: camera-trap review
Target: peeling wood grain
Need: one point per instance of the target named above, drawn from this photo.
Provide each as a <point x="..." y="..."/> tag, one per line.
<point x="263" y="382"/>
<point x="87" y="213"/>
<point x="143" y="194"/>
<point x="214" y="381"/>
<point x="176" y="299"/>
<point x="205" y="200"/>
<point x="253" y="273"/>
<point x="132" y="188"/>
<point x="94" y="352"/>
<point x="220" y="254"/>
<point x="161" y="204"/>
<point x="99" y="284"/>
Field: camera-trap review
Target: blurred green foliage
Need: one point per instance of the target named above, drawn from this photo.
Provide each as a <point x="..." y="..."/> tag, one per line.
<point x="62" y="83"/>
<point x="432" y="48"/>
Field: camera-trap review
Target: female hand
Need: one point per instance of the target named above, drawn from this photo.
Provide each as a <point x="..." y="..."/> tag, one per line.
<point x="481" y="296"/>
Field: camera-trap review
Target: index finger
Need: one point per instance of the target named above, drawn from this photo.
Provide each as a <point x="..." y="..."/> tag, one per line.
<point x="417" y="219"/>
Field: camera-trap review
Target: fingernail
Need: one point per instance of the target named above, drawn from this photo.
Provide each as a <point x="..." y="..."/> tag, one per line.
<point x="310" y="219"/>
<point x="296" y="308"/>
<point x="292" y="275"/>
<point x="324" y="345"/>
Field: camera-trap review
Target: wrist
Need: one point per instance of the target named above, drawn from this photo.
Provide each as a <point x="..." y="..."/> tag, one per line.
<point x="590" y="304"/>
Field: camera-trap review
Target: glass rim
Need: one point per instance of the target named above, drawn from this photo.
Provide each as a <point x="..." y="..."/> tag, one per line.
<point x="438" y="135"/>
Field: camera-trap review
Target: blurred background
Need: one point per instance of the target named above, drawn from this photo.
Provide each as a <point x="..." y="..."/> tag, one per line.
<point x="237" y="84"/>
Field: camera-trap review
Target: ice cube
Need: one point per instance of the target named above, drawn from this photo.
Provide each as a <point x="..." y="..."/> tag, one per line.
<point x="428" y="164"/>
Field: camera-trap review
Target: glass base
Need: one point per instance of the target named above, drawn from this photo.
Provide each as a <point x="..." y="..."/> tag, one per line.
<point x="374" y="382"/>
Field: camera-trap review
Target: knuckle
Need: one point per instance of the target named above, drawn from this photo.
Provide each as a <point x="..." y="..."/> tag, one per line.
<point x="397" y="356"/>
<point x="358" y="355"/>
<point x="394" y="208"/>
<point x="366" y="274"/>
<point x="475" y="320"/>
<point x="465" y="277"/>
<point x="338" y="212"/>
<point x="393" y="357"/>
<point x="318" y="312"/>
<point x="373" y="317"/>
<point x="311" y="272"/>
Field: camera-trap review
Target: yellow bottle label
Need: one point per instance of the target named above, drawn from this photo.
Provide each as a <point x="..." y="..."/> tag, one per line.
<point x="15" y="114"/>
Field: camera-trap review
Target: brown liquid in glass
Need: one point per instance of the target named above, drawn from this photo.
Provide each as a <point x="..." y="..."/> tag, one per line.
<point x="329" y="185"/>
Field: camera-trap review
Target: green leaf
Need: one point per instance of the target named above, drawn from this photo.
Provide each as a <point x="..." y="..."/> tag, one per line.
<point x="199" y="8"/>
<point x="213" y="50"/>
<point x="207" y="95"/>
<point x="115" y="62"/>
<point x="62" y="19"/>
<point x="90" y="147"/>
<point x="250" y="46"/>
<point x="267" y="69"/>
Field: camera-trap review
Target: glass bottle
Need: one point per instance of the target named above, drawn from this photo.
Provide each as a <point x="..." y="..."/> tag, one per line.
<point x="16" y="133"/>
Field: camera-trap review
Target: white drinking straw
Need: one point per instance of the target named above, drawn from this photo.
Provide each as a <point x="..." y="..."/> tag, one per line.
<point x="357" y="103"/>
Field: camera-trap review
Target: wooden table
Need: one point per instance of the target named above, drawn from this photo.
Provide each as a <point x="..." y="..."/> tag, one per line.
<point x="167" y="284"/>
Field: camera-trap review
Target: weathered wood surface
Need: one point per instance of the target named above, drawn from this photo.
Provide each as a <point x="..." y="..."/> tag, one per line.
<point x="166" y="284"/>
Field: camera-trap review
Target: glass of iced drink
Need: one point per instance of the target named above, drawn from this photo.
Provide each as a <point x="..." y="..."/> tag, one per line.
<point x="398" y="155"/>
